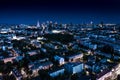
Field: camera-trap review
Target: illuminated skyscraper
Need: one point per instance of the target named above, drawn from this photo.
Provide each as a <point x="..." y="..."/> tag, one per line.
<point x="38" y="24"/>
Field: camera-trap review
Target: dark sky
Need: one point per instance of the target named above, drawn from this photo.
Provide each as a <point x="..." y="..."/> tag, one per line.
<point x="65" y="11"/>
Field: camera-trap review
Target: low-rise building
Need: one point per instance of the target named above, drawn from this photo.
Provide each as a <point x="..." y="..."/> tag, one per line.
<point x="18" y="58"/>
<point x="104" y="74"/>
<point x="36" y="66"/>
<point x="60" y="60"/>
<point x="73" y="68"/>
<point x="31" y="53"/>
<point x="17" y="74"/>
<point x="56" y="72"/>
<point x="9" y="59"/>
<point x="74" y="57"/>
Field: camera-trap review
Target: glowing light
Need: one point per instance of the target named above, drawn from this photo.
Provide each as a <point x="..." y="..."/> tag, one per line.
<point x="56" y="31"/>
<point x="40" y="38"/>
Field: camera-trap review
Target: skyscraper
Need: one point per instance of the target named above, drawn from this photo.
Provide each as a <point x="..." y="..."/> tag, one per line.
<point x="38" y="24"/>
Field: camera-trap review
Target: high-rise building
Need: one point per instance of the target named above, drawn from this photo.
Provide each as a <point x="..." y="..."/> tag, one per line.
<point x="38" y="24"/>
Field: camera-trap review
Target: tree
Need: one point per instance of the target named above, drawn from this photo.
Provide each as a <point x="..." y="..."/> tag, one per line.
<point x="74" y="77"/>
<point x="108" y="49"/>
<point x="1" y="68"/>
<point x="6" y="68"/>
<point x="64" y="38"/>
<point x="9" y="77"/>
<point x="85" y="58"/>
<point x="43" y="74"/>
<point x="118" y="77"/>
<point x="2" y="62"/>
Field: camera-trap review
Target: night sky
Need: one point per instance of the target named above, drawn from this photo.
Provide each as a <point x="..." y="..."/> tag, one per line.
<point x="62" y="11"/>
